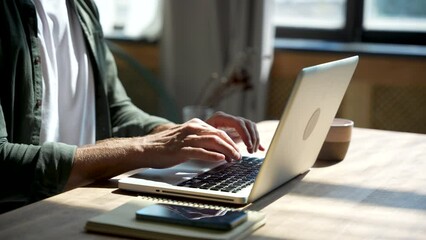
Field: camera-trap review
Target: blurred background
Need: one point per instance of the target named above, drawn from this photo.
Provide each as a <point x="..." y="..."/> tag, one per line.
<point x="242" y="56"/>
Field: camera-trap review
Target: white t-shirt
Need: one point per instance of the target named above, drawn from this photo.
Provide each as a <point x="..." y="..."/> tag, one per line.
<point x="68" y="104"/>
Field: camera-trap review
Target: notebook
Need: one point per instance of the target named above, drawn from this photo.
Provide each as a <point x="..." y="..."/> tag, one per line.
<point x="302" y="129"/>
<point x="121" y="221"/>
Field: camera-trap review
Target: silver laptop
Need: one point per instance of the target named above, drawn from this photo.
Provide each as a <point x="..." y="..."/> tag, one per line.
<point x="304" y="124"/>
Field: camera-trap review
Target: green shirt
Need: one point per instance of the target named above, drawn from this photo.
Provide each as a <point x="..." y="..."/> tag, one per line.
<point x="30" y="171"/>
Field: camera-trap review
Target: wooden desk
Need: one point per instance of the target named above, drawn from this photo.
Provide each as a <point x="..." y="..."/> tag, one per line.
<point x="378" y="191"/>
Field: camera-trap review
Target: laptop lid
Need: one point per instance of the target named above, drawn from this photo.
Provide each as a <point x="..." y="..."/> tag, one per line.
<point x="304" y="124"/>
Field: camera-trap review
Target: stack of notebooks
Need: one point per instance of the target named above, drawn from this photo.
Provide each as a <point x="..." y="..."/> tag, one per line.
<point x="122" y="221"/>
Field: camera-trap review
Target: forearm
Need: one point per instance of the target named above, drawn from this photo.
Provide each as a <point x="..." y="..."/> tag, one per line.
<point x="109" y="158"/>
<point x="103" y="160"/>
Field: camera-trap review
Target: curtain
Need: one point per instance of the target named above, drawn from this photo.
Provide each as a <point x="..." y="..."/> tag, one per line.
<point x="204" y="43"/>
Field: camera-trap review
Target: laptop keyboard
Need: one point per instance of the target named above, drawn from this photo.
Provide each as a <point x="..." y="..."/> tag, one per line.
<point x="228" y="177"/>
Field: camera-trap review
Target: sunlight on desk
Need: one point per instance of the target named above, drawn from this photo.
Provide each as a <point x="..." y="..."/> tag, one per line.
<point x="323" y="218"/>
<point x="377" y="191"/>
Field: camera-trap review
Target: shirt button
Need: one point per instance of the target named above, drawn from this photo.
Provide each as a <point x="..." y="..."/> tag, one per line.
<point x="38" y="103"/>
<point x="37" y="60"/>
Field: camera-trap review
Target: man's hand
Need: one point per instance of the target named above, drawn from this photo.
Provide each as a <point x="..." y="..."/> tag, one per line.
<point x="194" y="139"/>
<point x="239" y="129"/>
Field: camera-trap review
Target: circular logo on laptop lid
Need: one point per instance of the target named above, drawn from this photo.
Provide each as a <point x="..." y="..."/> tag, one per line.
<point x="311" y="124"/>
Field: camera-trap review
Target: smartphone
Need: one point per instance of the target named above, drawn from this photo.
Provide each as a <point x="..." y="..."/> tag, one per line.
<point x="192" y="216"/>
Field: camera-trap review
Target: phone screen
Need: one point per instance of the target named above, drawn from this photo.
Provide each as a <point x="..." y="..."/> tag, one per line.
<point x="192" y="216"/>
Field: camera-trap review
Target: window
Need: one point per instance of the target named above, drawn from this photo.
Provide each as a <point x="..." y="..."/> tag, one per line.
<point x="310" y="13"/>
<point x="407" y="16"/>
<point x="131" y="19"/>
<point x="386" y="21"/>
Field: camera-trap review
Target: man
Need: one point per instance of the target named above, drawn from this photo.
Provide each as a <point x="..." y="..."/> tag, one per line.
<point x="65" y="119"/>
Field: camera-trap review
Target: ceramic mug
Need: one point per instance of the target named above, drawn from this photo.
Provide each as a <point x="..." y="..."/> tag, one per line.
<point x="337" y="141"/>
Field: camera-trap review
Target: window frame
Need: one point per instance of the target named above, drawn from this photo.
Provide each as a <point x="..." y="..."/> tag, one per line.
<point x="353" y="30"/>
